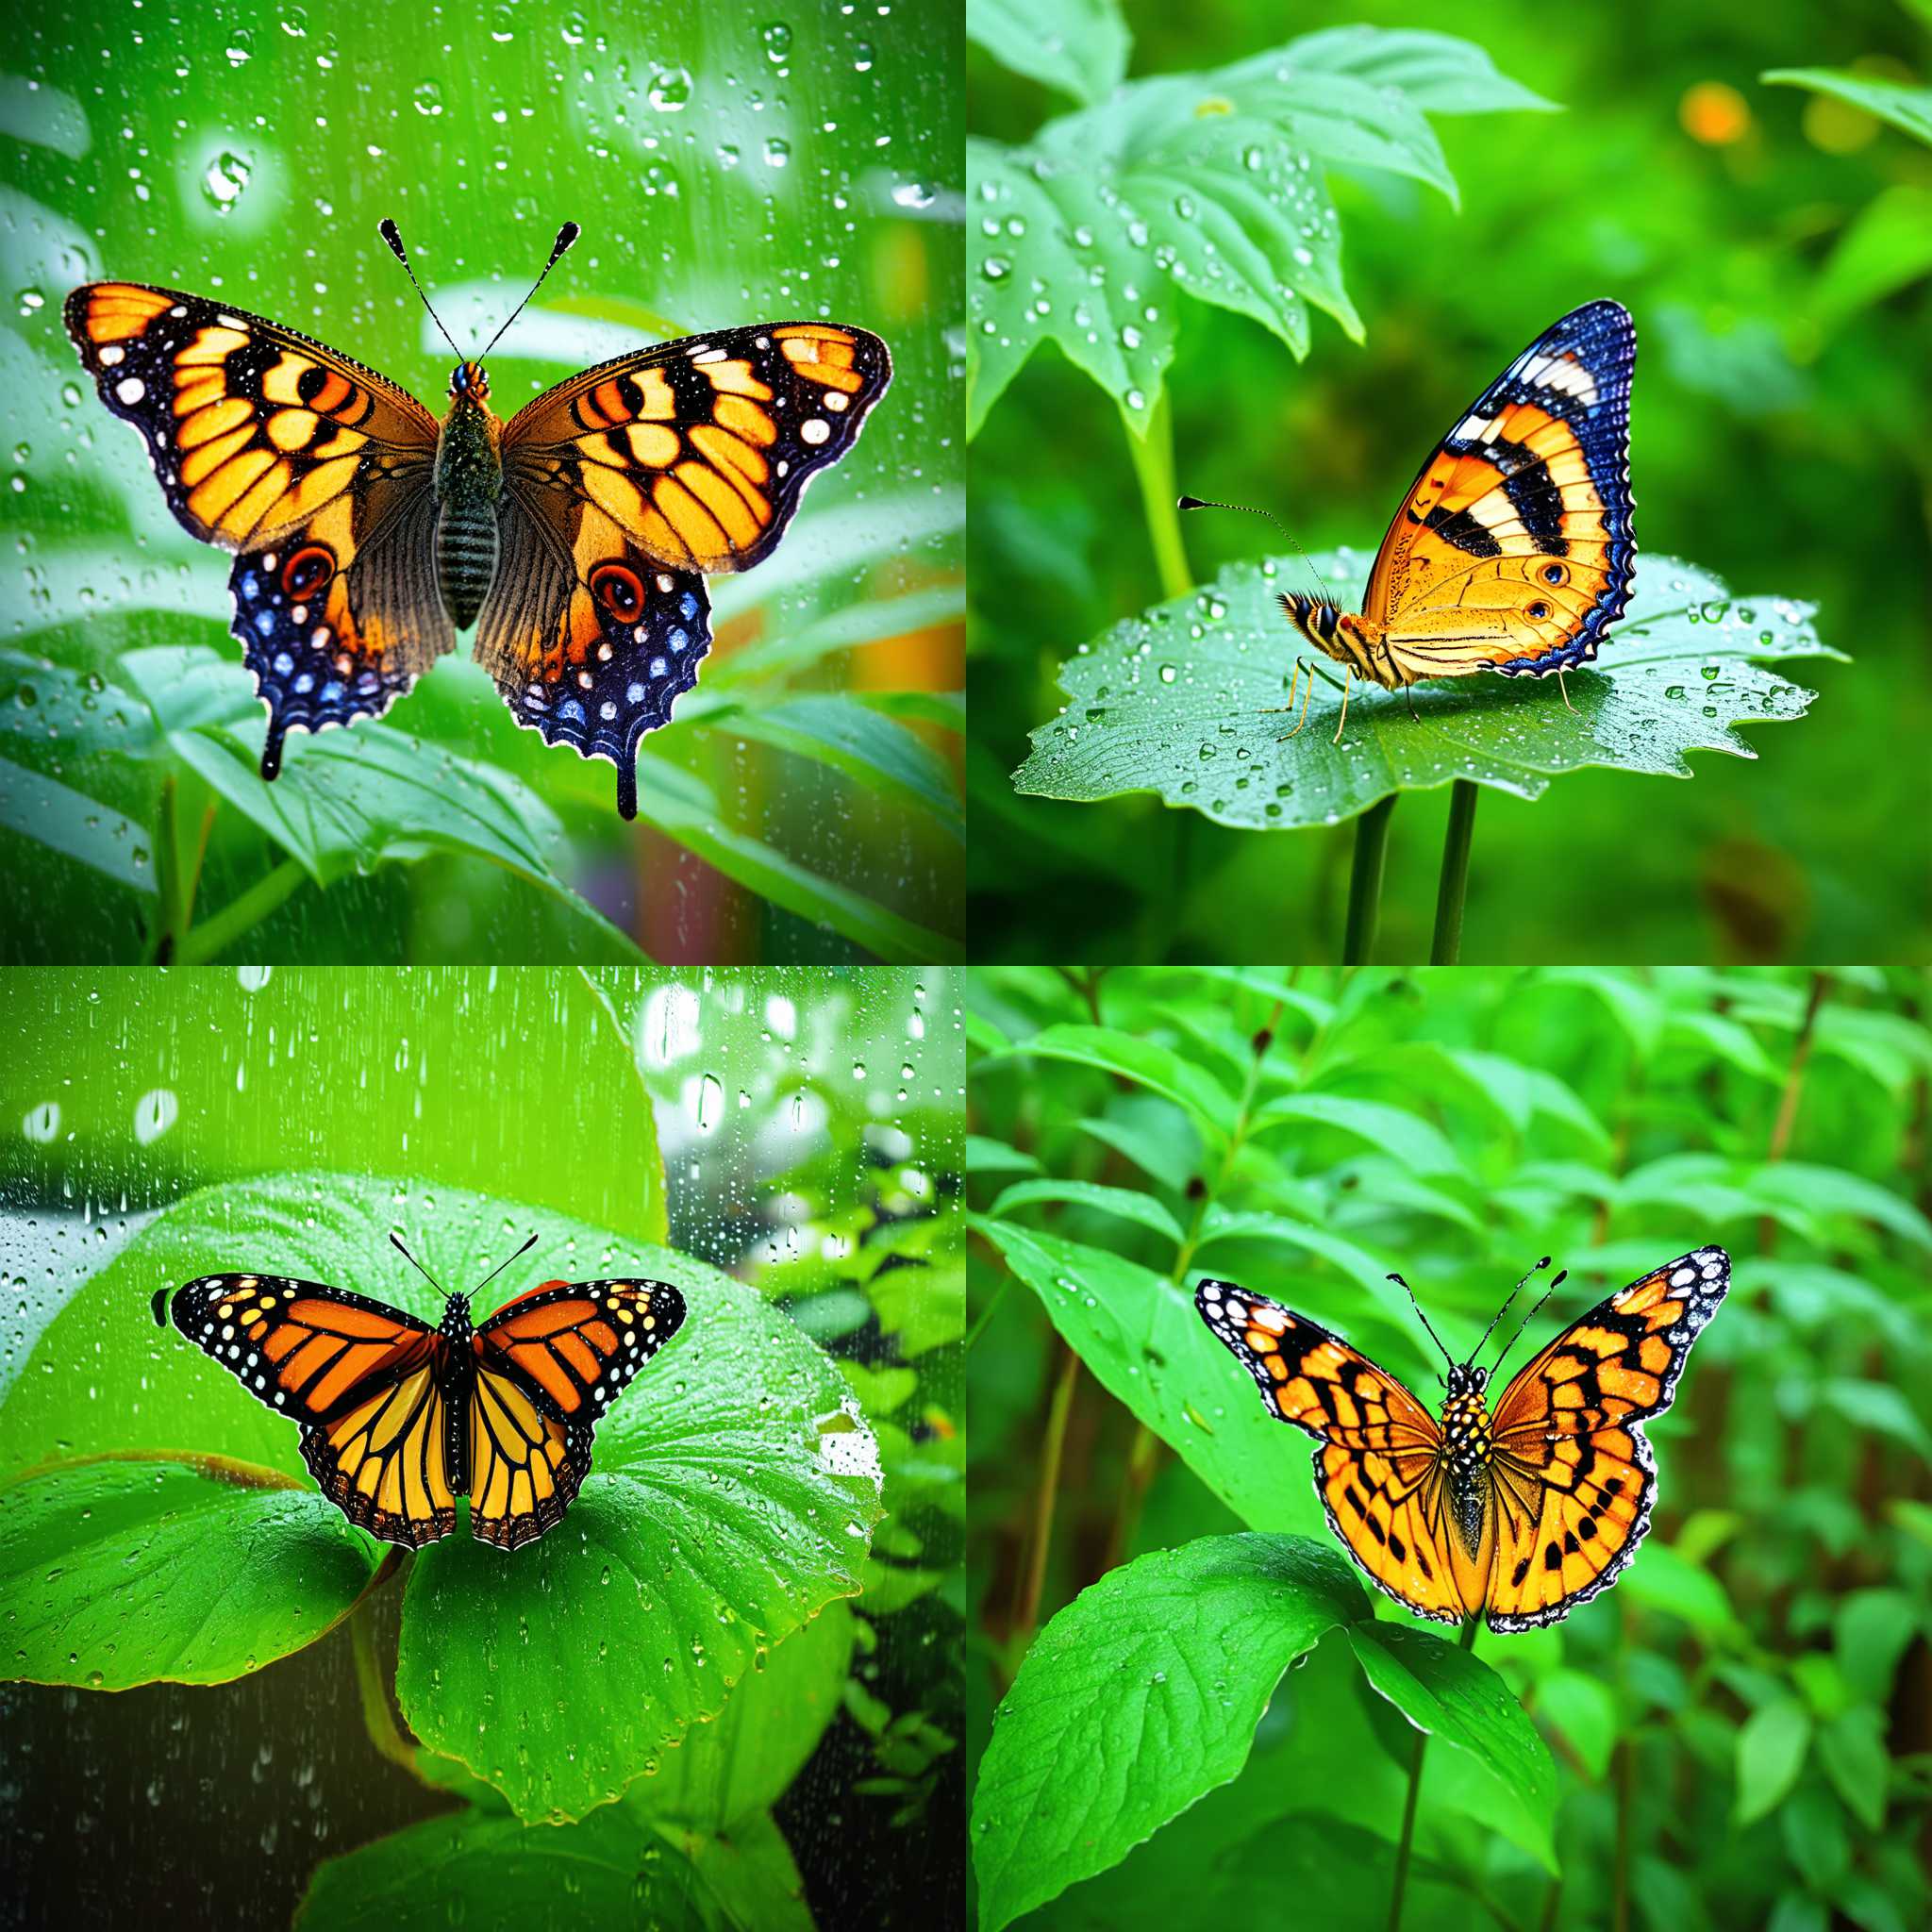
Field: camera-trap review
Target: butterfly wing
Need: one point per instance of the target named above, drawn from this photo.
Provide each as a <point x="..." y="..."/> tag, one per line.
<point x="1513" y="550"/>
<point x="548" y="1365"/>
<point x="365" y="1381"/>
<point x="1378" y="1468"/>
<point x="1570" y="1446"/>
<point x="317" y="471"/>
<point x="626" y="484"/>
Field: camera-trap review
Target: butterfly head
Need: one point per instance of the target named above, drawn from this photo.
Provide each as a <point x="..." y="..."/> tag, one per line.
<point x="1334" y="632"/>
<point x="468" y="379"/>
<point x="1466" y="1378"/>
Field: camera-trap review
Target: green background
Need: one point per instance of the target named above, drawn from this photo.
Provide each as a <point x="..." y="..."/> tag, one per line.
<point x="1779" y="430"/>
<point x="798" y="1130"/>
<point x="728" y="166"/>
<point x="1734" y="1734"/>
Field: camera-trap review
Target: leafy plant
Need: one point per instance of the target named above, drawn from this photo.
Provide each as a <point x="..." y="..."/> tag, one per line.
<point x="1159" y="1595"/>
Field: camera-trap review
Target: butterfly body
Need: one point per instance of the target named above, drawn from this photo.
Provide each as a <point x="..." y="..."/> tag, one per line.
<point x="1513" y="550"/>
<point x="399" y="1419"/>
<point x="1519" y="1512"/>
<point x="575" y="538"/>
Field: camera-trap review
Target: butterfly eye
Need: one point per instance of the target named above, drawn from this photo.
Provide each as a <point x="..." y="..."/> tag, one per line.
<point x="619" y="590"/>
<point x="1538" y="610"/>
<point x="308" y="570"/>
<point x="1553" y="573"/>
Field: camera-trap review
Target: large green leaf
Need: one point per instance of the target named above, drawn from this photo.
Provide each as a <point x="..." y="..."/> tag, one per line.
<point x="1138" y="1697"/>
<point x="1142" y="1340"/>
<point x="1184" y="700"/>
<point x="124" y="1570"/>
<point x="1442" y="1688"/>
<point x="1210" y="183"/>
<point x="480" y="1868"/>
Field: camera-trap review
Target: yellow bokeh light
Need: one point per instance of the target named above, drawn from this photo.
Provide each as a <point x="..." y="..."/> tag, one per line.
<point x="1714" y="113"/>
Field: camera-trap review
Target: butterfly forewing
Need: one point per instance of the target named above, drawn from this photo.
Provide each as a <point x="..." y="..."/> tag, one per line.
<point x="1513" y="550"/>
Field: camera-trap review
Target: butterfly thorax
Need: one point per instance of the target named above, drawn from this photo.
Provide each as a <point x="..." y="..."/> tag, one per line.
<point x="1468" y="1447"/>
<point x="469" y="480"/>
<point x="1343" y="636"/>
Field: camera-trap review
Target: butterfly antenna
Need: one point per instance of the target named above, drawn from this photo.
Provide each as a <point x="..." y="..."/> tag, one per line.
<point x="1203" y="502"/>
<point x="1562" y="1275"/>
<point x="1418" y="1308"/>
<point x="395" y="1242"/>
<point x="502" y="1265"/>
<point x="1505" y="1310"/>
<point x="565" y="236"/>
<point x="387" y="229"/>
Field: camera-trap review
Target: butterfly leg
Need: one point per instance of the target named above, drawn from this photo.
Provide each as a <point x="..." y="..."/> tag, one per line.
<point x="1410" y="697"/>
<point x="1565" y="689"/>
<point x="1280" y="711"/>
<point x="1347" y="675"/>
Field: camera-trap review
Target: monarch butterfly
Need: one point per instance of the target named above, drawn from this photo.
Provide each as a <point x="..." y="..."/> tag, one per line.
<point x="1525" y="1513"/>
<point x="399" y="1419"/>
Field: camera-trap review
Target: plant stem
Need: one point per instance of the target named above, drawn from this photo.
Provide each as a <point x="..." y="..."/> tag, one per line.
<point x="1027" y="1611"/>
<point x="1448" y="940"/>
<point x="1152" y="456"/>
<point x="1787" y="1099"/>
<point x="1626" y="1774"/>
<point x="378" y="1719"/>
<point x="246" y="909"/>
<point x="1365" y="882"/>
<point x="1409" y="1804"/>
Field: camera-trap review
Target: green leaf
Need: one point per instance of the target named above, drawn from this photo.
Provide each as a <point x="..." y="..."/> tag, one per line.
<point x="1663" y="1580"/>
<point x="1145" y="1062"/>
<point x="1832" y="1190"/>
<point x="1871" y="1629"/>
<point x="136" y="1569"/>
<point x="880" y="754"/>
<point x="1770" y="1754"/>
<point x="1887" y="248"/>
<point x="1128" y="1203"/>
<point x="1389" y="1129"/>
<point x="1139" y="1335"/>
<point x="1152" y="1682"/>
<point x="1909" y="107"/>
<point x="985" y="1154"/>
<point x="1456" y="1697"/>
<point x="1813" y="1827"/>
<point x="1582" y="1708"/>
<point x="1852" y="1749"/>
<point x="1439" y="73"/>
<point x="1182" y="702"/>
<point x="723" y="1512"/>
<point x="484" y="1868"/>
<point x="1877" y="1406"/>
<point x="1077" y="46"/>
<point x="76" y="827"/>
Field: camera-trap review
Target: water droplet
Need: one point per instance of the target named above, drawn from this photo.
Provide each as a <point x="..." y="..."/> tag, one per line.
<point x="227" y="177"/>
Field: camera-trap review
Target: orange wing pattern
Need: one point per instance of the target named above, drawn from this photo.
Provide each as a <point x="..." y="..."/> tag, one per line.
<point x="548" y="1365"/>
<point x="366" y="1382"/>
<point x="1379" y="1469"/>
<point x="317" y="471"/>
<point x="1568" y="1434"/>
<point x="699" y="450"/>
<point x="1513" y="550"/>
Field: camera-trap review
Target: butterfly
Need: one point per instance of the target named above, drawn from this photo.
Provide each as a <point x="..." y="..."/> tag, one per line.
<point x="1523" y="1513"/>
<point x="575" y="537"/>
<point x="1513" y="549"/>
<point x="399" y="1419"/>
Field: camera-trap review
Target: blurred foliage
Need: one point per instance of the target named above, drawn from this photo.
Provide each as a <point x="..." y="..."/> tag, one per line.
<point x="1739" y="1728"/>
<point x="726" y="166"/>
<point x="1771" y="241"/>
<point x="750" y="1617"/>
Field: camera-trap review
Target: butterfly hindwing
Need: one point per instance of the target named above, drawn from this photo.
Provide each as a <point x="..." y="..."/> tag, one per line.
<point x="317" y="471"/>
<point x="589" y="641"/>
<point x="1513" y="549"/>
<point x="1378" y="1468"/>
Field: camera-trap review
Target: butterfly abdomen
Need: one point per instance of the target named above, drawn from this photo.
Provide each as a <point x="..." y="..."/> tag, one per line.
<point x="469" y="480"/>
<point x="1467" y="1452"/>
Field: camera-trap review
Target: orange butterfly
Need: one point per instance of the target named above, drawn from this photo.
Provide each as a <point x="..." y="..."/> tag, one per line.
<point x="1522" y="1514"/>
<point x="399" y="1419"/>
<point x="1513" y="549"/>
<point x="575" y="537"/>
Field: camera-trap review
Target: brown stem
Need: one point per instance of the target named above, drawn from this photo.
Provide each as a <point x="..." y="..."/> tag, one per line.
<point x="1787" y="1099"/>
<point x="1027" y="1610"/>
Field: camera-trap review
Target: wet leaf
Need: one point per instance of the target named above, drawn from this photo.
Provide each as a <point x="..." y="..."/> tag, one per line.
<point x="1185" y="701"/>
<point x="1909" y="107"/>
<point x="1078" y="46"/>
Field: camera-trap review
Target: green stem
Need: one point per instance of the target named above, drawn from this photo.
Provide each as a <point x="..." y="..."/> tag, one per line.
<point x="1365" y="882"/>
<point x="1152" y="456"/>
<point x="1409" y="1804"/>
<point x="376" y="1717"/>
<point x="249" y="908"/>
<point x="1026" y="1612"/>
<point x="1448" y="942"/>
